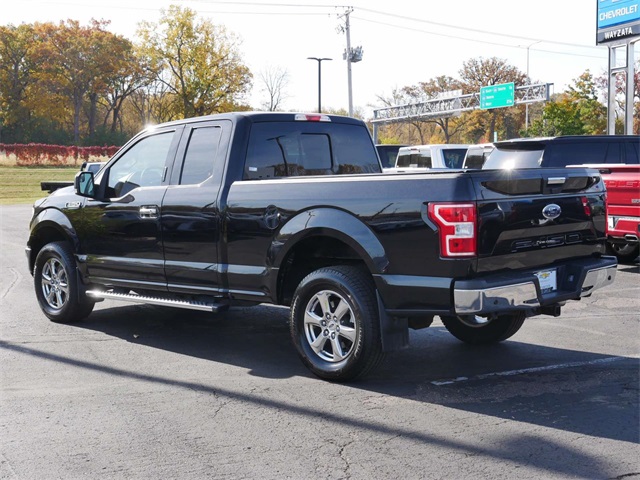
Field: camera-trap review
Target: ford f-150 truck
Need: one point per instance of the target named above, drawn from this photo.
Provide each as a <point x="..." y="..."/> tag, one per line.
<point x="293" y="209"/>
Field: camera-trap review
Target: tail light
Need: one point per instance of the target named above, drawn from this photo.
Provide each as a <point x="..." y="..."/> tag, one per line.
<point x="311" y="117"/>
<point x="586" y="206"/>
<point x="457" y="228"/>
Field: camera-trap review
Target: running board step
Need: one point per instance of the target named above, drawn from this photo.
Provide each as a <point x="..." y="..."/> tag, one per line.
<point x="167" y="302"/>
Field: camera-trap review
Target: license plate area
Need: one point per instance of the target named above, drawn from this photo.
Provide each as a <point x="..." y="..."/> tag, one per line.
<point x="548" y="280"/>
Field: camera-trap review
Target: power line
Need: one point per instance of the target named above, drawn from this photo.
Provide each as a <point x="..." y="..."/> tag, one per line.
<point x="477" y="30"/>
<point x="401" y="17"/>
<point x="458" y="37"/>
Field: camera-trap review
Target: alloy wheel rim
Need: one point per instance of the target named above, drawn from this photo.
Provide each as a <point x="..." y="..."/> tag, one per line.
<point x="55" y="284"/>
<point x="330" y="326"/>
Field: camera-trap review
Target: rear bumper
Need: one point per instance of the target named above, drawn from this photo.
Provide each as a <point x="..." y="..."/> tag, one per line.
<point x="521" y="290"/>
<point x="415" y="296"/>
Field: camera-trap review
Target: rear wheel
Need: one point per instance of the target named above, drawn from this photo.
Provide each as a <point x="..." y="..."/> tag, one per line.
<point x="479" y="331"/>
<point x="335" y="323"/>
<point x="56" y="285"/>
<point x="625" y="252"/>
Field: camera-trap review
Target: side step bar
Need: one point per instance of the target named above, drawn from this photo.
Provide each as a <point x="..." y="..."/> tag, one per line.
<point x="166" y="302"/>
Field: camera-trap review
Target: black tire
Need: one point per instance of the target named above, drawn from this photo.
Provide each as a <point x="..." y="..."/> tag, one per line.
<point x="624" y="252"/>
<point x="497" y="330"/>
<point x="335" y="323"/>
<point x="56" y="285"/>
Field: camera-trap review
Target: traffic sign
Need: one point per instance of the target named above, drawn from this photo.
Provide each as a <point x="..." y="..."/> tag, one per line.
<point x="496" y="96"/>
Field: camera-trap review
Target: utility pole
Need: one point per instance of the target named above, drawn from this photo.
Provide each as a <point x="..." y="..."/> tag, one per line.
<point x="351" y="55"/>
<point x="348" y="56"/>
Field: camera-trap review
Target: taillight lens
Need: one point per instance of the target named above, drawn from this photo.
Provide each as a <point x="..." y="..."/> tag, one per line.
<point x="457" y="228"/>
<point x="586" y="206"/>
<point x="311" y="117"/>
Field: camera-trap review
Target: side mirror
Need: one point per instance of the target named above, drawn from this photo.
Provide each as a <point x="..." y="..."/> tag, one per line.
<point x="84" y="184"/>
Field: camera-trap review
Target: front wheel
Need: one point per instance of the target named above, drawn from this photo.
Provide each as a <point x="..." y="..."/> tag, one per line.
<point x="56" y="285"/>
<point x="478" y="331"/>
<point x="335" y="323"/>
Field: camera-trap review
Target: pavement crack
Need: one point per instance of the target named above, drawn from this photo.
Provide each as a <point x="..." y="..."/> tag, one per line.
<point x="626" y="475"/>
<point x="13" y="281"/>
<point x="345" y="459"/>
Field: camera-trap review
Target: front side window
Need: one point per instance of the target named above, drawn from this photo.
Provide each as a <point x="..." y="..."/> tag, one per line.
<point x="142" y="165"/>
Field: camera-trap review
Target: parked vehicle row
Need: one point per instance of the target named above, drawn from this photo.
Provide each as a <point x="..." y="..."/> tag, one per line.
<point x="424" y="157"/>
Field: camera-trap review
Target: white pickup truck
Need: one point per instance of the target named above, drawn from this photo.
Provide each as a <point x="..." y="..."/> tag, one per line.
<point x="424" y="157"/>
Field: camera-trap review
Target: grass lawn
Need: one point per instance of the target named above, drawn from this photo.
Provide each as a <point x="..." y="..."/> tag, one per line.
<point x="22" y="184"/>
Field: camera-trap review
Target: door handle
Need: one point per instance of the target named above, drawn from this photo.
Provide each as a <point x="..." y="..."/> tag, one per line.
<point x="149" y="211"/>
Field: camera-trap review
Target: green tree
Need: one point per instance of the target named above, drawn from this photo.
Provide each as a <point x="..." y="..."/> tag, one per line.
<point x="198" y="61"/>
<point x="584" y="93"/>
<point x="560" y="116"/>
<point x="577" y="111"/>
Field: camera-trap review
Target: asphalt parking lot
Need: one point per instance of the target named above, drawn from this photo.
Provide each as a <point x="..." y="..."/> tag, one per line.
<point x="149" y="392"/>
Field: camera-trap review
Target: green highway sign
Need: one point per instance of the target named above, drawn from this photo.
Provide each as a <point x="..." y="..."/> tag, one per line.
<point x="496" y="96"/>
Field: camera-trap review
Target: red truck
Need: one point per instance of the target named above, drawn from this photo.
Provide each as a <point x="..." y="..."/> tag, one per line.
<point x="623" y="209"/>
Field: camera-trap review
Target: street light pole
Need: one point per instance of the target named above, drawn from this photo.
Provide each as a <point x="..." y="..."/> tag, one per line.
<point x="319" y="60"/>
<point x="526" y="107"/>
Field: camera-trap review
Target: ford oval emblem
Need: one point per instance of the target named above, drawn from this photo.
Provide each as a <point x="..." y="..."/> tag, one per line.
<point x="551" y="211"/>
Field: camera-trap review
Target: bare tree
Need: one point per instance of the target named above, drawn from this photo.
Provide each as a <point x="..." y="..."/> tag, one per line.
<point x="275" y="80"/>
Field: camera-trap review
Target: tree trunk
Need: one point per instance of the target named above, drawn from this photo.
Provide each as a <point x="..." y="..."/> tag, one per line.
<point x="93" y="109"/>
<point x="77" y="106"/>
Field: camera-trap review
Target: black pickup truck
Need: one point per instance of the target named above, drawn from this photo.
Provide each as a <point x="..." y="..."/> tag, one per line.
<point x="293" y="209"/>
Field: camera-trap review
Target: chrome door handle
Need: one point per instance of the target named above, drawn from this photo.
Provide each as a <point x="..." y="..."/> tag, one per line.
<point x="149" y="211"/>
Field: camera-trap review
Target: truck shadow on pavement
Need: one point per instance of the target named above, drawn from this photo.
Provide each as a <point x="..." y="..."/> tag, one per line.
<point x="598" y="398"/>
<point x="582" y="392"/>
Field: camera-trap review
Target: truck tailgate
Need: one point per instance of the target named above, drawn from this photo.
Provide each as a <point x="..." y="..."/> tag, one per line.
<point x="534" y="217"/>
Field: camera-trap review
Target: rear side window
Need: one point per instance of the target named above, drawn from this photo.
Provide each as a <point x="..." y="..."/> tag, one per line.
<point x="579" y="153"/>
<point x="201" y="154"/>
<point x="420" y="159"/>
<point x="453" y="157"/>
<point x="282" y="149"/>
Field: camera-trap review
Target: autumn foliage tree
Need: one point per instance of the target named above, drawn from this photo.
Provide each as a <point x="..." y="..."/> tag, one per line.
<point x="197" y="61"/>
<point x="70" y="83"/>
<point x="478" y="73"/>
<point x="16" y="67"/>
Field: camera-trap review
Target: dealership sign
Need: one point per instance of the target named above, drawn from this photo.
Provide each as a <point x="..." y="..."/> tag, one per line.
<point x="617" y="19"/>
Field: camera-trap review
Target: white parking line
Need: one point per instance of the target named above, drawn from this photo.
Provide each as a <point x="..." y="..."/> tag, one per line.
<point x="531" y="370"/>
